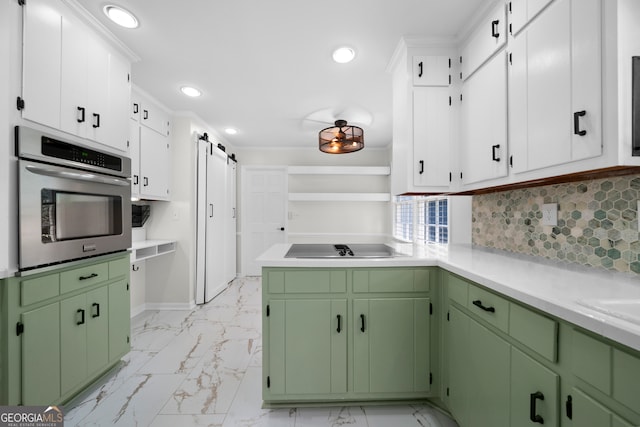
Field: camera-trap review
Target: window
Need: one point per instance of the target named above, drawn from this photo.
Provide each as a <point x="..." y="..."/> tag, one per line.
<point x="431" y="219"/>
<point x="403" y="218"/>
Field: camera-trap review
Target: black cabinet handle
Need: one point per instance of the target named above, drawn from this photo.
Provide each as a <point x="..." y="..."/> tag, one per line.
<point x="420" y="68"/>
<point x="281" y="228"/>
<point x="135" y="179"/>
<point x="494" y="28"/>
<point x="533" y="416"/>
<point x="91" y="276"/>
<point x="576" y="123"/>
<point x="478" y="303"/>
<point x="569" y="407"/>
<point x="362" y="322"/>
<point x="421" y="167"/>
<point x="96" y="121"/>
<point x="339" y="324"/>
<point x="81" y="313"/>
<point x="494" y="151"/>
<point x="81" y="118"/>
<point x="210" y="210"/>
<point x="96" y="312"/>
<point x="145" y="181"/>
<point x="145" y="115"/>
<point x="136" y="108"/>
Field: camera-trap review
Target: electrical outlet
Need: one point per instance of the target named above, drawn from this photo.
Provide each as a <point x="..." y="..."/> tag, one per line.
<point x="550" y="214"/>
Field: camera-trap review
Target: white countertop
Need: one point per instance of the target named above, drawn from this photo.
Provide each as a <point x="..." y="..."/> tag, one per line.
<point x="557" y="289"/>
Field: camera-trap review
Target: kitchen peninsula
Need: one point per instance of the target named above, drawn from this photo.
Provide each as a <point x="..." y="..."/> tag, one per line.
<point x="465" y="323"/>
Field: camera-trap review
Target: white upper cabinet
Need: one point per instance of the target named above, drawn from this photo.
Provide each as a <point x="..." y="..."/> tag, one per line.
<point x="489" y="37"/>
<point x="483" y="142"/>
<point x="149" y="114"/>
<point x="555" y="87"/>
<point x="73" y="80"/>
<point x="431" y="136"/>
<point x="520" y="12"/>
<point x="431" y="70"/>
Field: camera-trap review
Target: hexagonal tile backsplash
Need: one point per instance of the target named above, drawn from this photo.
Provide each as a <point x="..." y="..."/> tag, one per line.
<point x="597" y="222"/>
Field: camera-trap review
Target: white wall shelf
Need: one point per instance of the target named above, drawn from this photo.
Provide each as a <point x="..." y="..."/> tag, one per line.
<point x="339" y="197"/>
<point x="146" y="249"/>
<point x="339" y="170"/>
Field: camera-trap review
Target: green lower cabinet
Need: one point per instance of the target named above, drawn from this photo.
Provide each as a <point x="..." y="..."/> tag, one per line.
<point x="391" y="345"/>
<point x="458" y="331"/>
<point x="119" y="315"/>
<point x="41" y="355"/>
<point x="587" y="412"/>
<point x="73" y="342"/>
<point x="308" y="347"/>
<point x="534" y="392"/>
<point x="488" y="385"/>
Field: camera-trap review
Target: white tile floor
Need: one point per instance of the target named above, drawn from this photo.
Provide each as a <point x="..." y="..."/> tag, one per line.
<point x="203" y="368"/>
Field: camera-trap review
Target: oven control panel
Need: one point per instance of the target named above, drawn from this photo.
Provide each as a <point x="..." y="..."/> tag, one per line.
<point x="74" y="153"/>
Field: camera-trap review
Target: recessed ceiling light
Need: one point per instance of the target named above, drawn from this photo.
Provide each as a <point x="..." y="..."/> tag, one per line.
<point x="190" y="91"/>
<point x="231" y="131"/>
<point x="342" y="55"/>
<point x="121" y="16"/>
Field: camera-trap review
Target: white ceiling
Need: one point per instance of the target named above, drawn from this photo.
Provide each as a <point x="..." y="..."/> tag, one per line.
<point x="263" y="66"/>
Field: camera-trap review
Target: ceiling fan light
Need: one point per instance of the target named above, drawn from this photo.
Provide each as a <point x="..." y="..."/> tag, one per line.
<point x="341" y="138"/>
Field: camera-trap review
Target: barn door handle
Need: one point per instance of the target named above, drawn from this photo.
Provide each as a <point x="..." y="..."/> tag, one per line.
<point x="533" y="416"/>
<point x="576" y="123"/>
<point x="420" y="68"/>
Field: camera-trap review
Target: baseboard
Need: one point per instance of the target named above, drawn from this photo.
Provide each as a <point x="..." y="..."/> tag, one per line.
<point x="138" y="310"/>
<point x="170" y="306"/>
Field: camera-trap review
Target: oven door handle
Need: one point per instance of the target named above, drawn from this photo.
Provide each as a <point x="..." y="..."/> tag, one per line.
<point x="77" y="176"/>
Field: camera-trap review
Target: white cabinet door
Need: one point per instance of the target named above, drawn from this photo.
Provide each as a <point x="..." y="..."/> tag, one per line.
<point x="431" y="136"/>
<point x="98" y="92"/>
<point x="555" y="87"/>
<point x="489" y="37"/>
<point x="134" y="154"/>
<point x="119" y="102"/>
<point x="484" y="122"/>
<point x="431" y="70"/>
<point x="41" y="62"/>
<point x="154" y="117"/>
<point x="74" y="110"/>
<point x="520" y="12"/>
<point x="155" y="165"/>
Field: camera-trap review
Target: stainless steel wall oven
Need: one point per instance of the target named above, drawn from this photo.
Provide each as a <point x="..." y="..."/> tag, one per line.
<point x="74" y="201"/>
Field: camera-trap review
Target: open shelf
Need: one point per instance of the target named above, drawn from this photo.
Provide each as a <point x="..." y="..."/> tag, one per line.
<point x="151" y="248"/>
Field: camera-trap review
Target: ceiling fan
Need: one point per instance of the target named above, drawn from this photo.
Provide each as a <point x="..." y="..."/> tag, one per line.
<point x="328" y="116"/>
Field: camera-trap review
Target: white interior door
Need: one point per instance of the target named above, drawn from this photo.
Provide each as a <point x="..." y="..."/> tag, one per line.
<point x="215" y="277"/>
<point x="264" y="206"/>
<point x="230" y="230"/>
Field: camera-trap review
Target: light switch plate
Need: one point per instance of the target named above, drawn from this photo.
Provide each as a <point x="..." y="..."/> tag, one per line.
<point x="550" y="214"/>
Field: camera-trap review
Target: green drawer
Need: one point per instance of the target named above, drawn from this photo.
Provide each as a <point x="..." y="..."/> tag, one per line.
<point x="591" y="361"/>
<point x="489" y="306"/>
<point x="626" y="379"/>
<point x="391" y="280"/>
<point x="85" y="276"/>
<point x="534" y="330"/>
<point x="40" y="289"/>
<point x="119" y="267"/>
<point x="308" y="282"/>
<point x="458" y="289"/>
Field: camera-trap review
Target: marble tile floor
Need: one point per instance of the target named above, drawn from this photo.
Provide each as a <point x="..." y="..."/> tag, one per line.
<point x="203" y="368"/>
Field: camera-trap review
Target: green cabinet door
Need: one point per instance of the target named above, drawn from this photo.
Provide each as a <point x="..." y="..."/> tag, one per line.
<point x="391" y="345"/>
<point x="588" y="412"/>
<point x="41" y="355"/>
<point x="73" y="342"/>
<point x="97" y="330"/>
<point x="459" y="378"/>
<point x="119" y="318"/>
<point x="488" y="386"/>
<point x="534" y="392"/>
<point x="307" y="346"/>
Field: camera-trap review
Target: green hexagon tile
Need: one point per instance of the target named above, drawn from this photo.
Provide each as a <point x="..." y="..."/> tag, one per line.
<point x="597" y="222"/>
